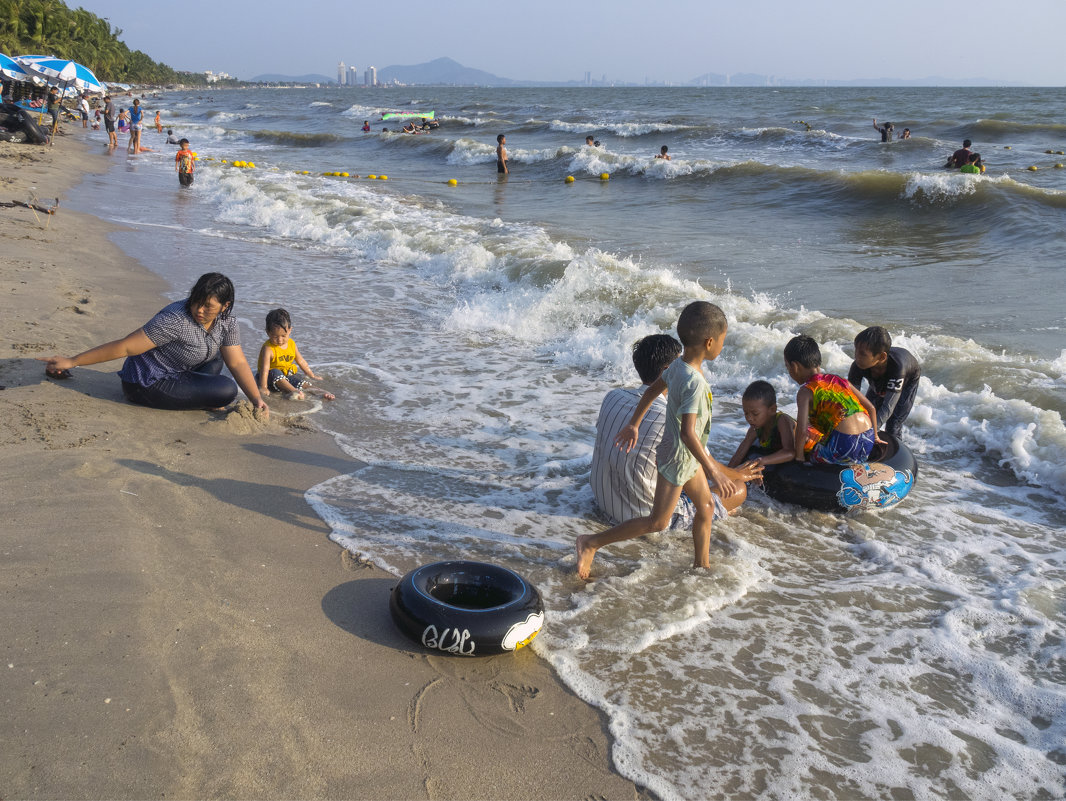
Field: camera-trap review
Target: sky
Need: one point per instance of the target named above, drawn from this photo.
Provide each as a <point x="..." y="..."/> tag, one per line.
<point x="624" y="40"/>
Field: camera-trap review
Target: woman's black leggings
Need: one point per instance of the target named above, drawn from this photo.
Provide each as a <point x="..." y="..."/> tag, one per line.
<point x="202" y="387"/>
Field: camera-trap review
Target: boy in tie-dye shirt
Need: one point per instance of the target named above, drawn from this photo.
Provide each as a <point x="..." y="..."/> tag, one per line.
<point x="835" y="423"/>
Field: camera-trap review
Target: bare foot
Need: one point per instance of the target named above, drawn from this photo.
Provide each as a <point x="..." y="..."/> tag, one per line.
<point x="297" y="395"/>
<point x="329" y="396"/>
<point x="585" y="553"/>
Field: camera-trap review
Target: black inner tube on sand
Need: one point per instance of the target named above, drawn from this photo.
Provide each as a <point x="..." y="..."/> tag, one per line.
<point x="467" y="608"/>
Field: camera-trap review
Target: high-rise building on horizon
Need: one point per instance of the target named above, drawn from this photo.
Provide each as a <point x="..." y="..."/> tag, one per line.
<point x="341" y="73"/>
<point x="353" y="76"/>
<point x="371" y="76"/>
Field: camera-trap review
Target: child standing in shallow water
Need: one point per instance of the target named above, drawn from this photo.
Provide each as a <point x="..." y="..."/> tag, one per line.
<point x="682" y="459"/>
<point x="183" y="163"/>
<point x="278" y="359"/>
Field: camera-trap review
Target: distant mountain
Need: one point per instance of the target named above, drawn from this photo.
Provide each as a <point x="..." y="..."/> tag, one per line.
<point x="313" y="78"/>
<point x="442" y="71"/>
<point x="751" y="79"/>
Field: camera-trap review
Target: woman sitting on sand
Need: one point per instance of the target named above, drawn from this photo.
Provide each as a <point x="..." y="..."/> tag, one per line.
<point x="175" y="360"/>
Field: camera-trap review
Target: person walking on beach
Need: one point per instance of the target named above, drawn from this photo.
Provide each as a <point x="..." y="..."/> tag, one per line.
<point x="83" y="107"/>
<point x="53" y="109"/>
<point x="174" y="361"/>
<point x="183" y="163"/>
<point x="136" y="115"/>
<point x="109" y="121"/>
<point x="501" y="155"/>
<point x="158" y="123"/>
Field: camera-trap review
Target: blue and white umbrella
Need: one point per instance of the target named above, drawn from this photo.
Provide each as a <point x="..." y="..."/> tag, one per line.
<point x="62" y="72"/>
<point x="12" y="70"/>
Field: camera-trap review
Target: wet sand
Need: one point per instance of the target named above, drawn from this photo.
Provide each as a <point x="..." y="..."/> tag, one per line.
<point x="176" y="622"/>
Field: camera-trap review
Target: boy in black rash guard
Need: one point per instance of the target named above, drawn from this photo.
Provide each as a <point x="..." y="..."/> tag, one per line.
<point x="892" y="374"/>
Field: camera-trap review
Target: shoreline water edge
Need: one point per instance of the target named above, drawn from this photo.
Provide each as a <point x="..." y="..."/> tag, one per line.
<point x="470" y="324"/>
<point x="176" y="622"/>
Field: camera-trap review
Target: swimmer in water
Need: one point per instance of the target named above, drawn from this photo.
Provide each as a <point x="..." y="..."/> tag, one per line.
<point x="501" y="155"/>
<point x="662" y="153"/>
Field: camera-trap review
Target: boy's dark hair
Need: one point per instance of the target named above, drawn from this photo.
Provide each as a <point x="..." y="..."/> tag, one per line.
<point x="874" y="339"/>
<point x="183" y="141"/>
<point x="761" y="391"/>
<point x="278" y="318"/>
<point x="804" y="351"/>
<point x="212" y="285"/>
<point x="966" y="143"/>
<point x="664" y="149"/>
<point x="653" y="354"/>
<point x="700" y="321"/>
<point x="499" y="137"/>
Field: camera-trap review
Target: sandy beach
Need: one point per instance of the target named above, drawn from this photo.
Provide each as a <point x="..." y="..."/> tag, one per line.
<point x="176" y="621"/>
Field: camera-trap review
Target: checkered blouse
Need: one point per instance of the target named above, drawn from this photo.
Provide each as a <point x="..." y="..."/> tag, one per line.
<point x="181" y="344"/>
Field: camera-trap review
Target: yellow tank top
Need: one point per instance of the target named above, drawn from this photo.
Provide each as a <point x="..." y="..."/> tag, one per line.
<point x="283" y="358"/>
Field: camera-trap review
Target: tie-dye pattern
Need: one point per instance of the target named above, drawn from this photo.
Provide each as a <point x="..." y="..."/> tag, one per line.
<point x="832" y="401"/>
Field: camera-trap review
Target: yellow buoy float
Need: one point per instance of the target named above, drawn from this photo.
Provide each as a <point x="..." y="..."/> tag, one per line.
<point x="1058" y="166"/>
<point x="372" y="177"/>
<point x="452" y="182"/>
<point x="1033" y="168"/>
<point x="568" y="180"/>
<point x="383" y="177"/>
<point x="344" y="175"/>
<point x="605" y="176"/>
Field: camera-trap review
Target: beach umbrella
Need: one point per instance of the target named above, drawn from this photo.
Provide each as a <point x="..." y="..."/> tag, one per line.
<point x="12" y="70"/>
<point x="62" y="72"/>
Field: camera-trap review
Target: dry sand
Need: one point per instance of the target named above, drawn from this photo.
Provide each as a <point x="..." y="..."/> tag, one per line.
<point x="175" y="622"/>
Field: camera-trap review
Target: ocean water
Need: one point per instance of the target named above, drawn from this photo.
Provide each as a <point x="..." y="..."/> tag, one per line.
<point x="472" y="331"/>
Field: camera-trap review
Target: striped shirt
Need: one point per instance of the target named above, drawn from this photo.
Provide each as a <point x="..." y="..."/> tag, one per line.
<point x="181" y="344"/>
<point x="624" y="483"/>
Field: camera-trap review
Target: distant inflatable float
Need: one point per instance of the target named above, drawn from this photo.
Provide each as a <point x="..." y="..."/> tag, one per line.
<point x="407" y="115"/>
<point x="467" y="608"/>
<point x="881" y="483"/>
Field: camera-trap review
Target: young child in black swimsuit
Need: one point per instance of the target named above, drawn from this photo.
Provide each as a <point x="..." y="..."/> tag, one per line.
<point x="769" y="430"/>
<point x="892" y="375"/>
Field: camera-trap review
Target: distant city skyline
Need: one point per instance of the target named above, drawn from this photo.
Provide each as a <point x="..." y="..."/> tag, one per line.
<point x="674" y="42"/>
